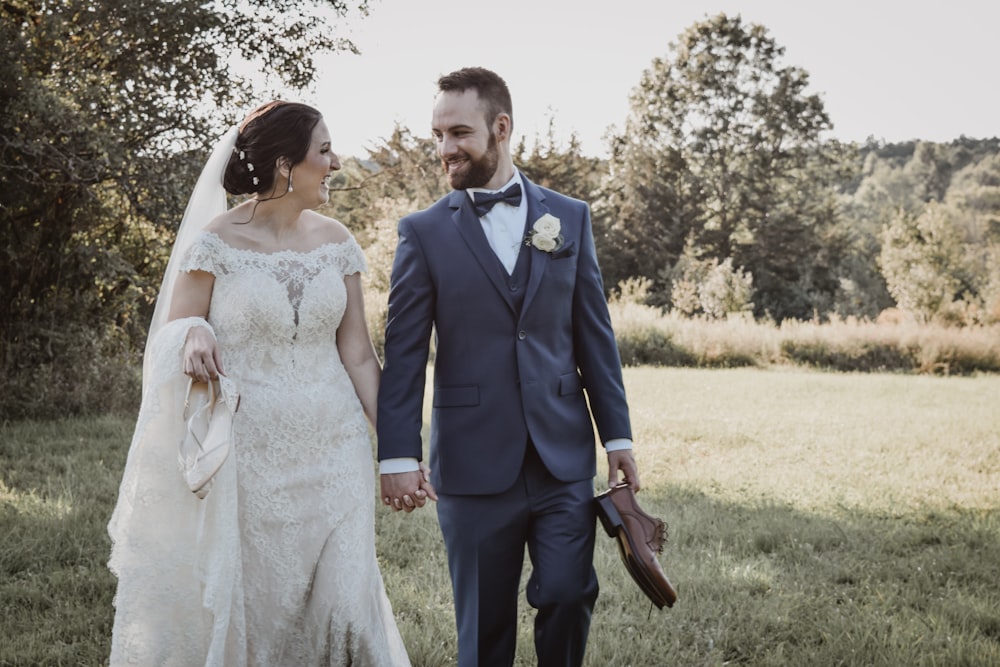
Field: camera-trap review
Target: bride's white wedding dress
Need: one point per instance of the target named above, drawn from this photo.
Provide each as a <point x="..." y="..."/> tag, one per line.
<point x="277" y="565"/>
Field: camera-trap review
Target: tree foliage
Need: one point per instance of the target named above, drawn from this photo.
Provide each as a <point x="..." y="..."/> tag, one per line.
<point x="708" y="288"/>
<point x="402" y="168"/>
<point x="723" y="146"/>
<point x="561" y="167"/>
<point x="106" y="109"/>
<point x="564" y="168"/>
<point x="928" y="218"/>
<point x="921" y="259"/>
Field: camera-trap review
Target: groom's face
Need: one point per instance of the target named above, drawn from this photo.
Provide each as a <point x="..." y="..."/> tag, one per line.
<point x="466" y="145"/>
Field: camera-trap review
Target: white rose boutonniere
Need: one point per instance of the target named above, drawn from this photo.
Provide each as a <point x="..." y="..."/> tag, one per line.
<point x="545" y="234"/>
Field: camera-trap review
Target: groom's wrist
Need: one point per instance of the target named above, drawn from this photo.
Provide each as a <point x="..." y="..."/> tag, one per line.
<point x="395" y="466"/>
<point x="616" y="444"/>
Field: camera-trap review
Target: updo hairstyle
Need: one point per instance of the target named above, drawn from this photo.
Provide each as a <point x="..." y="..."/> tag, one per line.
<point x="272" y="131"/>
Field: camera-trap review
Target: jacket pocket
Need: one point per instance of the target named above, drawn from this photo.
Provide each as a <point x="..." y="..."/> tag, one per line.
<point x="456" y="397"/>
<point x="570" y="383"/>
<point x="568" y="250"/>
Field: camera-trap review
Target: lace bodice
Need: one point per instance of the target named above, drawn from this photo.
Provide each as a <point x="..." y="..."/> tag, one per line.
<point x="276" y="314"/>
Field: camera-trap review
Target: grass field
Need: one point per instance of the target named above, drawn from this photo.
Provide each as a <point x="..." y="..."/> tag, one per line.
<point x="815" y="519"/>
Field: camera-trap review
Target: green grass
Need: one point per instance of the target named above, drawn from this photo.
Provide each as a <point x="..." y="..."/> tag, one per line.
<point x="814" y="519"/>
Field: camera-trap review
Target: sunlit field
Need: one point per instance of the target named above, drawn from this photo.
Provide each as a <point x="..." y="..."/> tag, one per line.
<point x="814" y="519"/>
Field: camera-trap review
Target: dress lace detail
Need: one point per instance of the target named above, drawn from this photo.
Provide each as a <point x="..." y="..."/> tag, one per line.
<point x="287" y="568"/>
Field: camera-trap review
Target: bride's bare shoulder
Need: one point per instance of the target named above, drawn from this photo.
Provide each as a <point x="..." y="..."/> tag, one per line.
<point x="229" y="225"/>
<point x="325" y="229"/>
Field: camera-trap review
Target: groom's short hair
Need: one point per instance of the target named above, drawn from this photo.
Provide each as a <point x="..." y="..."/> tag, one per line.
<point x="491" y="89"/>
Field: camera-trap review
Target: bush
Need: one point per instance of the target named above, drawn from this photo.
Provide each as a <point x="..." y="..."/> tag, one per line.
<point x="650" y="346"/>
<point x="863" y="357"/>
<point x="94" y="372"/>
<point x="950" y="351"/>
<point x="648" y="337"/>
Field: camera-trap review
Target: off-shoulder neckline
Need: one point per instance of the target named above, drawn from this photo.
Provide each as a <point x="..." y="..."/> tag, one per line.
<point x="286" y="251"/>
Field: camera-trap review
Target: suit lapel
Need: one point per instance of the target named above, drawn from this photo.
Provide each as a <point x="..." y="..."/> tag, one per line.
<point x="539" y="260"/>
<point x="467" y="222"/>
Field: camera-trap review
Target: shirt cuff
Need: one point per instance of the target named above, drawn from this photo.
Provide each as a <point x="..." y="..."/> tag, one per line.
<point x="616" y="444"/>
<point x="394" y="466"/>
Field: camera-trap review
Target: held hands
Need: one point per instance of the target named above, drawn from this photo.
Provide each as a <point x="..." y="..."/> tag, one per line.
<point x="406" y="491"/>
<point x="622" y="460"/>
<point x="201" y="355"/>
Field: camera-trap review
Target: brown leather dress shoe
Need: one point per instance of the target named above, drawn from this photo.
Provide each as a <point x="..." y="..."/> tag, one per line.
<point x="640" y="537"/>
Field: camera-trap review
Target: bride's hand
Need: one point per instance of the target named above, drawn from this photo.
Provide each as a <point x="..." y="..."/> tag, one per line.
<point x="425" y="483"/>
<point x="201" y="355"/>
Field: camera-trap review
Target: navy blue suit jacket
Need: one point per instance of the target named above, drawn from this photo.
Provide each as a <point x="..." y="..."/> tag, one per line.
<point x="500" y="375"/>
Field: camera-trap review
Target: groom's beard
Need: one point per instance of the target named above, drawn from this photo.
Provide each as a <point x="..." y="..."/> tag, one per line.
<point x="477" y="173"/>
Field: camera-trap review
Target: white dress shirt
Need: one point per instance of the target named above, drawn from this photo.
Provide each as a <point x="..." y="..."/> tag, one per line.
<point x="504" y="225"/>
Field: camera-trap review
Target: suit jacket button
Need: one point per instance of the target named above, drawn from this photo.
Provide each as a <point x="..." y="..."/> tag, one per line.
<point x="522" y="334"/>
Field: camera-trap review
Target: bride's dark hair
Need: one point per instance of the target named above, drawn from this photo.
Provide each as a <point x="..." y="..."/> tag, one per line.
<point x="272" y="131"/>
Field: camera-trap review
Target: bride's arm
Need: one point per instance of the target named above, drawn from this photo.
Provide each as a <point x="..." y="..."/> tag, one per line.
<point x="357" y="353"/>
<point x="191" y="298"/>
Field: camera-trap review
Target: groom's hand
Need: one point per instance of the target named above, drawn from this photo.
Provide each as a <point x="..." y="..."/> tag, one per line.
<point x="406" y="491"/>
<point x="623" y="461"/>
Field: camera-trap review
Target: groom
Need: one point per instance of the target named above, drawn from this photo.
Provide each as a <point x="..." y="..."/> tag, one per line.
<point x="504" y="273"/>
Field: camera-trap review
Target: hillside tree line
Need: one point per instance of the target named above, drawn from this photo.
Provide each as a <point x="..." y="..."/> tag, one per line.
<point x="722" y="190"/>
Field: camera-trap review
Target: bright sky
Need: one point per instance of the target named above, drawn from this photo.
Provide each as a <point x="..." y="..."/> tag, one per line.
<point x="893" y="69"/>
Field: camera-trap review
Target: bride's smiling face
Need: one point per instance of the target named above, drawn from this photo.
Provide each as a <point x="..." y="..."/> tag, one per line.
<point x="310" y="176"/>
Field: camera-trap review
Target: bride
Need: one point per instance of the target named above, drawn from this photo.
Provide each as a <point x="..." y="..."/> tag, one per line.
<point x="276" y="566"/>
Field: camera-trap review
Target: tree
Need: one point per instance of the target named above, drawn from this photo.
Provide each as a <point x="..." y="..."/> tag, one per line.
<point x="892" y="190"/>
<point x="402" y="167"/>
<point x="708" y="288"/>
<point x="975" y="191"/>
<point x="566" y="169"/>
<point x="106" y="111"/>
<point x="563" y="168"/>
<point x="976" y="188"/>
<point x="723" y="146"/>
<point x="930" y="170"/>
<point x="922" y="261"/>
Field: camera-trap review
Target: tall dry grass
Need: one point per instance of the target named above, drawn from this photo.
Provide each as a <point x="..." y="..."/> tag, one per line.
<point x="646" y="336"/>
